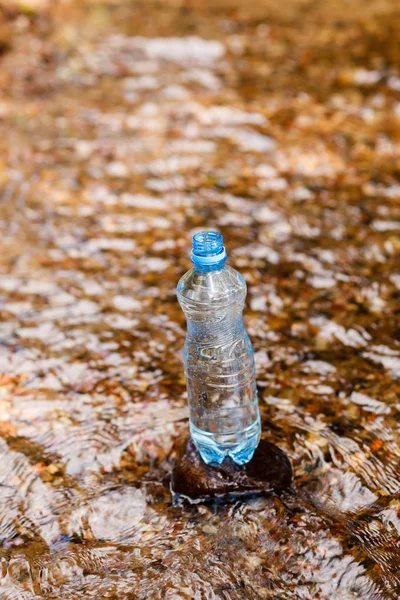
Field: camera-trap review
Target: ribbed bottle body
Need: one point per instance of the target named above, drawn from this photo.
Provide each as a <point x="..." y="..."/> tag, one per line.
<point x="219" y="366"/>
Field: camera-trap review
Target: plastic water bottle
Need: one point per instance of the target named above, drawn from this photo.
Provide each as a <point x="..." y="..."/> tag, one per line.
<point x="218" y="356"/>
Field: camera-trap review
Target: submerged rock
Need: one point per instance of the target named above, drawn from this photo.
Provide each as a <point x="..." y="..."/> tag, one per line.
<point x="269" y="471"/>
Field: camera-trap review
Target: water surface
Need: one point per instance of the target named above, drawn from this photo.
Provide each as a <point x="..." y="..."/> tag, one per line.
<point x="125" y="127"/>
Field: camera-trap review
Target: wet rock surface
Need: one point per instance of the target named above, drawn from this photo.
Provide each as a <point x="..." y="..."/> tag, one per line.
<point x="125" y="127"/>
<point x="269" y="471"/>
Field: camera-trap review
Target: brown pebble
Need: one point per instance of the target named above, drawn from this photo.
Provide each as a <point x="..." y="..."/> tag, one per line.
<point x="269" y="471"/>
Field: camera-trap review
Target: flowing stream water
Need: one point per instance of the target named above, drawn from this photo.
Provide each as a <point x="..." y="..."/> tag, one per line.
<point x="125" y="127"/>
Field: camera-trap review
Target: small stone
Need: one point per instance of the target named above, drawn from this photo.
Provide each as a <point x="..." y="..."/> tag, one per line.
<point x="269" y="471"/>
<point x="53" y="469"/>
<point x="376" y="445"/>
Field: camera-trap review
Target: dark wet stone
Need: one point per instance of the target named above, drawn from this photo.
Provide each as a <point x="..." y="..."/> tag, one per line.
<point x="269" y="471"/>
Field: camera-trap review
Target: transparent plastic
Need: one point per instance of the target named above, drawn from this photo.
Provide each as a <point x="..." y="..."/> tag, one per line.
<point x="218" y="356"/>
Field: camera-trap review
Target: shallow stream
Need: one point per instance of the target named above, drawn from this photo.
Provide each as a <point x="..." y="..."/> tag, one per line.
<point x="125" y="126"/>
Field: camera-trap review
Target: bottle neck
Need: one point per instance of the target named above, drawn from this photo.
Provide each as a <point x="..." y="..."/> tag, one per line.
<point x="209" y="268"/>
<point x="208" y="250"/>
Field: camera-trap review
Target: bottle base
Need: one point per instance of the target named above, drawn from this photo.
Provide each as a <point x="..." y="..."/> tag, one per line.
<point x="214" y="449"/>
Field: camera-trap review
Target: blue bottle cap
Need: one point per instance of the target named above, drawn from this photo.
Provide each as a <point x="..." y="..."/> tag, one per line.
<point x="208" y="249"/>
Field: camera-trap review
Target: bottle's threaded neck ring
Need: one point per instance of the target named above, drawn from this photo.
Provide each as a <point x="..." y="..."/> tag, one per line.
<point x="208" y="249"/>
